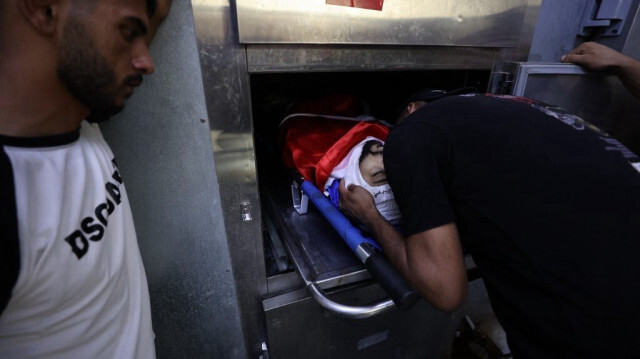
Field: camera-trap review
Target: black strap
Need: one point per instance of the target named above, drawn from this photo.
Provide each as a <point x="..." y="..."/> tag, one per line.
<point x="9" y="244"/>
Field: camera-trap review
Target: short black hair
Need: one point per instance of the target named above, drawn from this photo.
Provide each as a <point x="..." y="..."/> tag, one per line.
<point x="152" y="6"/>
<point x="428" y="94"/>
<point x="366" y="149"/>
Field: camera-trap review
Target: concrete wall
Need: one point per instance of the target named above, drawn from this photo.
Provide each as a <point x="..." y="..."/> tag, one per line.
<point x="163" y="147"/>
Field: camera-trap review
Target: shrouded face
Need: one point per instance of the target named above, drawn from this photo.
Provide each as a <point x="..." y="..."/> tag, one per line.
<point x="104" y="54"/>
<point x="372" y="167"/>
<point x="367" y="171"/>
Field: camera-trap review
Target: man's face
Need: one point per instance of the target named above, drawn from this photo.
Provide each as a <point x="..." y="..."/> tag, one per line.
<point x="372" y="167"/>
<point x="104" y="54"/>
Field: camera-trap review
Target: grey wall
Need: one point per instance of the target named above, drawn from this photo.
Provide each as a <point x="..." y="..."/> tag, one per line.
<point x="163" y="147"/>
<point x="558" y="26"/>
<point x="632" y="46"/>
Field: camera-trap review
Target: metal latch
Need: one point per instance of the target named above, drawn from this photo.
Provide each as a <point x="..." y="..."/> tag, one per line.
<point x="246" y="211"/>
<point x="501" y="83"/>
<point x="607" y="16"/>
<point x="300" y="200"/>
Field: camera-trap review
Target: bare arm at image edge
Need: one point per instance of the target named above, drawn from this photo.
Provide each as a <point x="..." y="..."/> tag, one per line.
<point x="596" y="57"/>
<point x="431" y="260"/>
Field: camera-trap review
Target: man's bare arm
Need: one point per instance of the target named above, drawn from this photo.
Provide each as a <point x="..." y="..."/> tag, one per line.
<point x="431" y="260"/>
<point x="596" y="57"/>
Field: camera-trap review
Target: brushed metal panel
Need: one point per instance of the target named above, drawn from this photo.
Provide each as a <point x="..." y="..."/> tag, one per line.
<point x="228" y="105"/>
<point x="491" y="23"/>
<point x="299" y="328"/>
<point x="295" y="58"/>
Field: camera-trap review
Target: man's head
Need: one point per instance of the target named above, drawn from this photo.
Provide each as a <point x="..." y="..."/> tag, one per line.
<point x="408" y="109"/>
<point x="366" y="169"/>
<point x="371" y="165"/>
<point x="104" y="54"/>
<point x="424" y="96"/>
<point x="97" y="50"/>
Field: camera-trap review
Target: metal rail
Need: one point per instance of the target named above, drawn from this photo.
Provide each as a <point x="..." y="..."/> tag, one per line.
<point x="347" y="311"/>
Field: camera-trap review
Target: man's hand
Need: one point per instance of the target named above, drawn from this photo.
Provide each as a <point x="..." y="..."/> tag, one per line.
<point x="430" y="260"/>
<point x="595" y="57"/>
<point x="358" y="204"/>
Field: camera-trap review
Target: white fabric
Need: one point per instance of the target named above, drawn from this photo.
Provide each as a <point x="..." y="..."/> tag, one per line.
<point x="84" y="304"/>
<point x="349" y="169"/>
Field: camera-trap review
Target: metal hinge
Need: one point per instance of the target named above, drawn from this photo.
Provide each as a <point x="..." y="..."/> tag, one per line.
<point x="501" y="83"/>
<point x="605" y="16"/>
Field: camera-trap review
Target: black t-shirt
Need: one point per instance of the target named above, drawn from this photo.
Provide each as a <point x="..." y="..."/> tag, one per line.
<point x="549" y="208"/>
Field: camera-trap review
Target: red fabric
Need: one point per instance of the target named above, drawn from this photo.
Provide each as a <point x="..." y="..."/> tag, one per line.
<point x="315" y="145"/>
<point x="341" y="148"/>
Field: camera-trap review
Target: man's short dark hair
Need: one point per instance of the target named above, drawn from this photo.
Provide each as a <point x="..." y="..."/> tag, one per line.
<point x="430" y="94"/>
<point x="152" y="6"/>
<point x="427" y="95"/>
<point x="366" y="149"/>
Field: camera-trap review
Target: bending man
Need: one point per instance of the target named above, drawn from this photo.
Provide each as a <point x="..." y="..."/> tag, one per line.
<point x="546" y="204"/>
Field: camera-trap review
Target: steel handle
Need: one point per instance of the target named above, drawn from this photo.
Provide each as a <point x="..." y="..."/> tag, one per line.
<point x="347" y="311"/>
<point x="391" y="281"/>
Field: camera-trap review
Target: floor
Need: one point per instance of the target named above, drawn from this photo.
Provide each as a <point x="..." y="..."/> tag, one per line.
<point x="479" y="336"/>
<point x="482" y="341"/>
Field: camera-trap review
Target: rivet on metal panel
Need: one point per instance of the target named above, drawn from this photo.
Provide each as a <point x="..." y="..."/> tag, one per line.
<point x="246" y="211"/>
<point x="265" y="351"/>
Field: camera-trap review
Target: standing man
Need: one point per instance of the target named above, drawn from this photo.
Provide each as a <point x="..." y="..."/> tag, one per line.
<point x="547" y="205"/>
<point x="72" y="281"/>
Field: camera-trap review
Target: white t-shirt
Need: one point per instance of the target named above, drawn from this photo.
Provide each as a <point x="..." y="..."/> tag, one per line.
<point x="81" y="291"/>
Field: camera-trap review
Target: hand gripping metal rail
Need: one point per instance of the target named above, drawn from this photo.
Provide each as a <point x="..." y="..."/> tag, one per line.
<point x="366" y="249"/>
